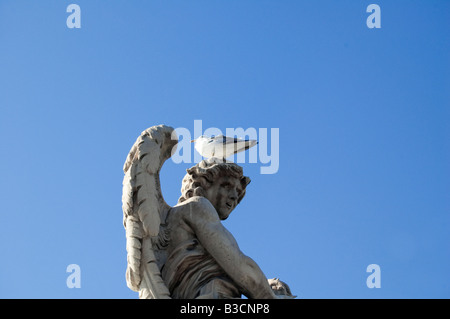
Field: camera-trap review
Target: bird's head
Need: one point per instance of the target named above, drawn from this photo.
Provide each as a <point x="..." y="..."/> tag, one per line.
<point x="200" y="138"/>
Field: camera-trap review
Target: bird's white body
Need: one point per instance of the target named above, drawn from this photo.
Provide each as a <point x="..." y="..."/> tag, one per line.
<point x="221" y="146"/>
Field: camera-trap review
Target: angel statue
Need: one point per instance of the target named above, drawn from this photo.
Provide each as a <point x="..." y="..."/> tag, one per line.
<point x="184" y="252"/>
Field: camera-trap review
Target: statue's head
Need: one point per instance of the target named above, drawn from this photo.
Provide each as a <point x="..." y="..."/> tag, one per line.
<point x="222" y="183"/>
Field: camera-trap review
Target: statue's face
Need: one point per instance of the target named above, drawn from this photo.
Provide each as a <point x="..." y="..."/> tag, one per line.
<point x="223" y="195"/>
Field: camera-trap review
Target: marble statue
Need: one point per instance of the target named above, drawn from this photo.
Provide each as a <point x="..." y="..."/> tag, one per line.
<point x="184" y="252"/>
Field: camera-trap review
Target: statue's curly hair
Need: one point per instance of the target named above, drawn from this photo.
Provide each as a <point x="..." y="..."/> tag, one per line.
<point x="201" y="176"/>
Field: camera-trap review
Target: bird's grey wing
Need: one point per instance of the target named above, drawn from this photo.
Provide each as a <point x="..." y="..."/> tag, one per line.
<point x="231" y="140"/>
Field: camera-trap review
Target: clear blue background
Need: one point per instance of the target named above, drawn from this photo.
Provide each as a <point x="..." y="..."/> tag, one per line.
<point x="363" y="116"/>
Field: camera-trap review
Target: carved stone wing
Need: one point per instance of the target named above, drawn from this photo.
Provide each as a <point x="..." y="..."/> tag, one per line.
<point x="145" y="210"/>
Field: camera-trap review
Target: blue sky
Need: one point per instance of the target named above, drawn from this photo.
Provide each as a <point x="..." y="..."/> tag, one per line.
<point x="363" y="116"/>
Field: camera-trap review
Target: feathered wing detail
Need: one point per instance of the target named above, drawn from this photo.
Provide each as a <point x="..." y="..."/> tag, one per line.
<point x="145" y="210"/>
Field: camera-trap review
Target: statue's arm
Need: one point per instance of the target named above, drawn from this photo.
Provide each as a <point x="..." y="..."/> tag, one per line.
<point x="203" y="219"/>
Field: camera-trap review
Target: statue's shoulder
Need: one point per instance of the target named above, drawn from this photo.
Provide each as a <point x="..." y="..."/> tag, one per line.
<point x="195" y="206"/>
<point x="194" y="202"/>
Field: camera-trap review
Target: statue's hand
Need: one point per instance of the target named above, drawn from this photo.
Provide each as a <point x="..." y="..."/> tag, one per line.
<point x="280" y="289"/>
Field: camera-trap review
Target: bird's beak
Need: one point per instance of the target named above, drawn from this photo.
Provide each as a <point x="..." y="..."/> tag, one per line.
<point x="192" y="141"/>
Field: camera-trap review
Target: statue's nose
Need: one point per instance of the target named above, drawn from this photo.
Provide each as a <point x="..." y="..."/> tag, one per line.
<point x="233" y="194"/>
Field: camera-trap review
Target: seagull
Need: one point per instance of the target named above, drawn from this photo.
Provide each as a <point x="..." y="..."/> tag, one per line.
<point x="221" y="146"/>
